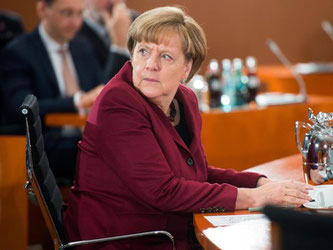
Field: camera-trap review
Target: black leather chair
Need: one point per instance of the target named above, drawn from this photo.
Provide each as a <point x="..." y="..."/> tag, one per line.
<point x="42" y="187"/>
<point x="304" y="230"/>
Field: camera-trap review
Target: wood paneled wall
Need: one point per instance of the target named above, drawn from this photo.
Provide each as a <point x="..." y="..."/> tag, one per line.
<point x="25" y="8"/>
<point x="240" y="28"/>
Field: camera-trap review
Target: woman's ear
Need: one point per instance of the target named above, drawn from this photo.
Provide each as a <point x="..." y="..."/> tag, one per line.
<point x="188" y="67"/>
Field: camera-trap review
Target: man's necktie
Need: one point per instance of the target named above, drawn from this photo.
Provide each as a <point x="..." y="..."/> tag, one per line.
<point x="71" y="84"/>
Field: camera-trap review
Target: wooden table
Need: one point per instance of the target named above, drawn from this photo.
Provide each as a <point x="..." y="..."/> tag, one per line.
<point x="286" y="168"/>
<point x="278" y="78"/>
<point x="244" y="137"/>
<point x="61" y="119"/>
<point x="248" y="137"/>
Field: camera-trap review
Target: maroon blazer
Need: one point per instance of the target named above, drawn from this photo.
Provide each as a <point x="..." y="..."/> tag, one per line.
<point x="135" y="173"/>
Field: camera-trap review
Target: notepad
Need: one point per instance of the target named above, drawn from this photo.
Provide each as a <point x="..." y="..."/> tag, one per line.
<point x="245" y="235"/>
<point x="227" y="220"/>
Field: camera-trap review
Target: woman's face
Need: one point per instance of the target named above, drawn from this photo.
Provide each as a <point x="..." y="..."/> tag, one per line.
<point x="159" y="68"/>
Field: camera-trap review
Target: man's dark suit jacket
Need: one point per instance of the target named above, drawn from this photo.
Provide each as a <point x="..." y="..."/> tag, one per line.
<point x="111" y="62"/>
<point x="26" y="68"/>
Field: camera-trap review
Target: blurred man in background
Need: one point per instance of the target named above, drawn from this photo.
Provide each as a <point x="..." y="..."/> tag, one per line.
<point x="57" y="67"/>
<point x="106" y="23"/>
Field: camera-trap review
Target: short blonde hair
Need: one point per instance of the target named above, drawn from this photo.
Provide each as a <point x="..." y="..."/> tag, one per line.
<point x="150" y="25"/>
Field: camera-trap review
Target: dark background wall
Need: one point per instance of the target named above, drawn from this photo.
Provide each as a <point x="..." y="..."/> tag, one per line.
<point x="239" y="28"/>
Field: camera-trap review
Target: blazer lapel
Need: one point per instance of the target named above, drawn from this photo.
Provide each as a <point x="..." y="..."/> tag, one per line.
<point x="43" y="59"/>
<point x="168" y="126"/>
<point x="77" y="64"/>
<point x="83" y="65"/>
<point x="192" y="119"/>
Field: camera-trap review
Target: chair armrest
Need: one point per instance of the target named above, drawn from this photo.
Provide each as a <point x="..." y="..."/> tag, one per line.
<point x="121" y="237"/>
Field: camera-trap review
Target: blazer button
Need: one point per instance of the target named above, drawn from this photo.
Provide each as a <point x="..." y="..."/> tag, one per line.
<point x="202" y="210"/>
<point x="216" y="209"/>
<point x="189" y="161"/>
<point x="222" y="209"/>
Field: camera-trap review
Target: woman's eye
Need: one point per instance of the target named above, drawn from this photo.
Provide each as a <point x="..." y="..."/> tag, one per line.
<point x="166" y="56"/>
<point x="143" y="51"/>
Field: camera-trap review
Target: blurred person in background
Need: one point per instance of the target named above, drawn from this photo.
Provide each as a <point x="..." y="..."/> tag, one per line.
<point x="105" y="25"/>
<point x="11" y="26"/>
<point x="59" y="69"/>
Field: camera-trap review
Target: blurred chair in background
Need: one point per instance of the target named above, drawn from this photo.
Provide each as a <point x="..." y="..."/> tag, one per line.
<point x="11" y="26"/>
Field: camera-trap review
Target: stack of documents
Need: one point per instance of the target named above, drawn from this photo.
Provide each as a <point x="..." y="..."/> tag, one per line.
<point x="240" y="232"/>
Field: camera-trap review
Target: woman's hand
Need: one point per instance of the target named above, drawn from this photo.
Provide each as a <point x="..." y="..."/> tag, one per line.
<point x="286" y="193"/>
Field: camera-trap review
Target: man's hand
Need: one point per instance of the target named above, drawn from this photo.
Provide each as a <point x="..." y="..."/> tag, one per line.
<point x="117" y="24"/>
<point x="88" y="98"/>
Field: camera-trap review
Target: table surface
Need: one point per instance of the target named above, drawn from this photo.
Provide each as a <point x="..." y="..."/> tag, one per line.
<point x="286" y="168"/>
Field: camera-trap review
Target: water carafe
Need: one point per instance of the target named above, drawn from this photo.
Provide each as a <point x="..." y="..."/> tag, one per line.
<point x="316" y="146"/>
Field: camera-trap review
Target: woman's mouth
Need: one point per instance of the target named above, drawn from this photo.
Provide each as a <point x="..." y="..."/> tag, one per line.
<point x="150" y="80"/>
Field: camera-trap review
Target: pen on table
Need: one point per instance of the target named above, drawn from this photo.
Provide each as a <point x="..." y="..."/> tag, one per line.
<point x="260" y="209"/>
<point x="255" y="209"/>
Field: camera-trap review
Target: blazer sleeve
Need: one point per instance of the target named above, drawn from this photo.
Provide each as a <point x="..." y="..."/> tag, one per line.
<point x="131" y="151"/>
<point x="233" y="177"/>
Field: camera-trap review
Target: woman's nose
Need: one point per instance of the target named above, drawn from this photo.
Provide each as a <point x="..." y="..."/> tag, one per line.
<point x="152" y="63"/>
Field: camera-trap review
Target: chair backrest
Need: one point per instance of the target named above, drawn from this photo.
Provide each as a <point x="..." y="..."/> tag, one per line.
<point x="299" y="229"/>
<point x="41" y="180"/>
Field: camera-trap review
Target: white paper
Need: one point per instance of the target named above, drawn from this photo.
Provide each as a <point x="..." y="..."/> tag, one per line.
<point x="226" y="220"/>
<point x="245" y="235"/>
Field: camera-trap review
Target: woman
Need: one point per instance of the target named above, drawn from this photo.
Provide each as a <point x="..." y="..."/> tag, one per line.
<point x="141" y="164"/>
